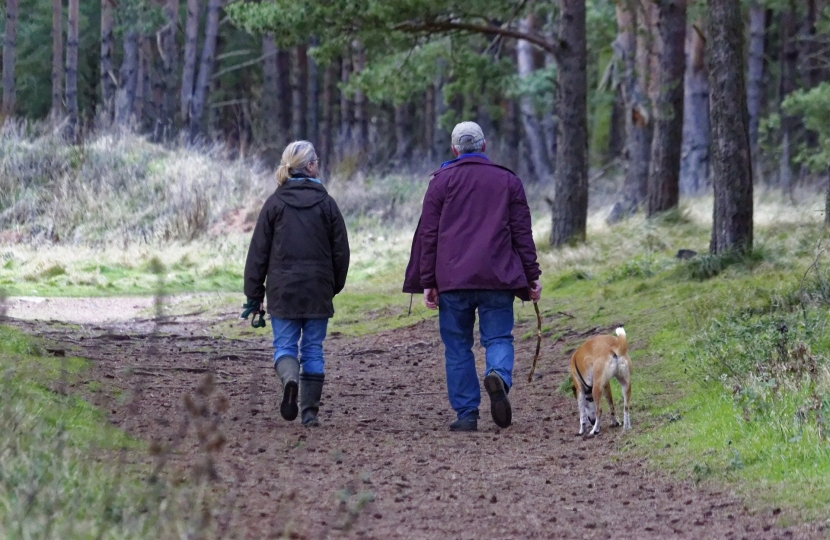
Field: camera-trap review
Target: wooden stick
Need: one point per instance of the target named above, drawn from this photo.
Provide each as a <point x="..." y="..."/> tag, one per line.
<point x="538" y="341"/>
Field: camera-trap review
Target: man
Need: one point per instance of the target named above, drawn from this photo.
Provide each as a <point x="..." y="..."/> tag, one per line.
<point x="473" y="249"/>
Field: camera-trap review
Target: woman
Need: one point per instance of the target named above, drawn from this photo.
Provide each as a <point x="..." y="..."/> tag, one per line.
<point x="300" y="252"/>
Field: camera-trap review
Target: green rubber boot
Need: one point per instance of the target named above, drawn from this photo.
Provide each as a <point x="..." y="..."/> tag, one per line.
<point x="311" y="389"/>
<point x="288" y="370"/>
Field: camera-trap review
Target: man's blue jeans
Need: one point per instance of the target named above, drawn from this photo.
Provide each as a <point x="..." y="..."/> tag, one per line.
<point x="456" y="318"/>
<point x="287" y="334"/>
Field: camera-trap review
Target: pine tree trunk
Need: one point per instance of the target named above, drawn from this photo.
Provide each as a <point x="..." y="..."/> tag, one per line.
<point x="402" y="133"/>
<point x="755" y="71"/>
<point x="361" y="119"/>
<point x="57" y="59"/>
<point x="731" y="158"/>
<point x="616" y="139"/>
<point x="201" y="90"/>
<point x="72" y="69"/>
<point x="284" y="97"/>
<point x="271" y="121"/>
<point x="127" y="79"/>
<point x="632" y="48"/>
<point x="809" y="52"/>
<point x="191" y="38"/>
<point x="169" y="66"/>
<point x="789" y="73"/>
<point x="664" y="169"/>
<point x="569" y="210"/>
<point x="440" y="137"/>
<point x="345" y="136"/>
<point x="312" y="117"/>
<point x="533" y="133"/>
<point x="429" y="122"/>
<point x="9" y="54"/>
<point x="107" y="70"/>
<point x="694" y="166"/>
<point x="327" y="124"/>
<point x="142" y="80"/>
<point x="299" y="92"/>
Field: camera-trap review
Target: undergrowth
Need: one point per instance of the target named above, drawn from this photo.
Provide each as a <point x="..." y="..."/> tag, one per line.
<point x="66" y="473"/>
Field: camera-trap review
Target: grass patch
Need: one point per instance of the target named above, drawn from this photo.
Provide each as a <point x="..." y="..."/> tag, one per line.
<point x="61" y="472"/>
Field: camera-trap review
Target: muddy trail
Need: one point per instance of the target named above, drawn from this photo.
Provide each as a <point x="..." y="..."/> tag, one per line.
<point x="383" y="465"/>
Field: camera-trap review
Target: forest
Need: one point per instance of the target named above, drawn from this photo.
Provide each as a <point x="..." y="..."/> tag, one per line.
<point x="561" y="88"/>
<point x="675" y="156"/>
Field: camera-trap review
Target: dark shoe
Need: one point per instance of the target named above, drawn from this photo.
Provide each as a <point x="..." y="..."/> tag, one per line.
<point x="467" y="423"/>
<point x="311" y="390"/>
<point x="288" y="369"/>
<point x="499" y="404"/>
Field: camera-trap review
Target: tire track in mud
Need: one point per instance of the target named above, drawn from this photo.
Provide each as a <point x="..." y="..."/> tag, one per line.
<point x="384" y="464"/>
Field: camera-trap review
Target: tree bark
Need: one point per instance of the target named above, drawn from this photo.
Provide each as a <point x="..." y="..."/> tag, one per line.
<point x="127" y="79"/>
<point x="191" y="38"/>
<point x="664" y="171"/>
<point x="299" y="92"/>
<point x="569" y="209"/>
<point x="429" y="122"/>
<point x="169" y="66"/>
<point x="731" y="158"/>
<point x="142" y="89"/>
<point x="201" y="90"/>
<point x="755" y="71"/>
<point x="9" y="54"/>
<point x="57" y="59"/>
<point x="312" y="117"/>
<point x="616" y="139"/>
<point x="271" y="120"/>
<point x="72" y="69"/>
<point x="108" y="83"/>
<point x="694" y="165"/>
<point x="284" y="97"/>
<point x="402" y="133"/>
<point x="633" y="48"/>
<point x="345" y="134"/>
<point x="361" y="119"/>
<point x="327" y="124"/>
<point x="533" y="133"/>
<point x="788" y="85"/>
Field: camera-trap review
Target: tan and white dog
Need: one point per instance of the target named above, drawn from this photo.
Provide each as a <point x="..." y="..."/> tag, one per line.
<point x="593" y="365"/>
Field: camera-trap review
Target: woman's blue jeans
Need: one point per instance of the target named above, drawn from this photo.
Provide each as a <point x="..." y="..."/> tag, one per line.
<point x="287" y="334"/>
<point x="456" y="318"/>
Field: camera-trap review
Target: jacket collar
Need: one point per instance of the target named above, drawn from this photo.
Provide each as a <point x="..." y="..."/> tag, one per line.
<point x="464" y="156"/>
<point x="469" y="159"/>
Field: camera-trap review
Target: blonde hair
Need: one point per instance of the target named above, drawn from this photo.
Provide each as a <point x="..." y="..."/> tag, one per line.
<point x="295" y="159"/>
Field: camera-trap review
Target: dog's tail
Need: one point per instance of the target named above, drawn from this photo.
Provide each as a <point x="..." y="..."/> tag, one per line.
<point x="622" y="342"/>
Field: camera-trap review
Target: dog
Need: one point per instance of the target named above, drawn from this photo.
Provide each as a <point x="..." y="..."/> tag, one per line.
<point x="593" y="365"/>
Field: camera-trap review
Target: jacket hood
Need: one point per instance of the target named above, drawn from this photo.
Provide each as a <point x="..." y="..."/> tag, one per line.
<point x="301" y="194"/>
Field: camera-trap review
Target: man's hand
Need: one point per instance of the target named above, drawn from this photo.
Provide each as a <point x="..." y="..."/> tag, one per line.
<point x="431" y="298"/>
<point x="535" y="291"/>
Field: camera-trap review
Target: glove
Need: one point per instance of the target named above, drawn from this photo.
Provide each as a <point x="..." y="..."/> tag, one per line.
<point x="252" y="306"/>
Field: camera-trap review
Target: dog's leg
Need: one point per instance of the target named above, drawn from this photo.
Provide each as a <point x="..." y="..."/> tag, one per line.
<point x="580" y="401"/>
<point x="626" y="398"/>
<point x="597" y="393"/>
<point x="614" y="420"/>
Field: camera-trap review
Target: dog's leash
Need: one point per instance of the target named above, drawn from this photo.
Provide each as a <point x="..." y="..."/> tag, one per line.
<point x="538" y="341"/>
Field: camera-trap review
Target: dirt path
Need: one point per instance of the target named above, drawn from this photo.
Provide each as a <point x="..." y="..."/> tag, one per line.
<point x="384" y="465"/>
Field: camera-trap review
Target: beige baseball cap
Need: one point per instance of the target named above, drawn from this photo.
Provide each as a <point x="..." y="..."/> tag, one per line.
<point x="466" y="133"/>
